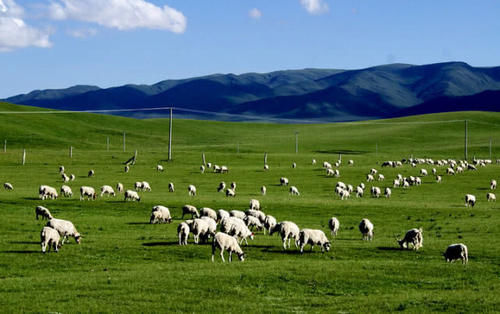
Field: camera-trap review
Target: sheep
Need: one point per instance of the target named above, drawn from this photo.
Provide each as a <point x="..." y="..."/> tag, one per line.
<point x="46" y="191"/>
<point x="202" y="169"/>
<point x="366" y="229"/>
<point x="253" y="222"/>
<point x="294" y="165"/>
<point x="423" y="172"/>
<point x="257" y="214"/>
<point x="126" y="169"/>
<point x="225" y="242"/>
<point x="373" y="171"/>
<point x="190" y="210"/>
<point x="406" y="184"/>
<point x="341" y="185"/>
<point x="191" y="190"/>
<point x="8" y="186"/>
<point x="221" y="187"/>
<point x="146" y="186"/>
<point x="375" y="191"/>
<point x="221" y="214"/>
<point x="287" y="230"/>
<point x="470" y="200"/>
<point x="87" y="191"/>
<point x="266" y="167"/>
<point x="350" y="189"/>
<point x="471" y="167"/>
<point x="208" y="212"/>
<point x="200" y="229"/>
<point x="314" y="161"/>
<point x="212" y="225"/>
<point x="119" y="187"/>
<point x="160" y="214"/>
<point x="491" y="197"/>
<point x="230" y="193"/>
<point x="350" y="162"/>
<point x="138" y="186"/>
<point x="438" y="179"/>
<point x="369" y="178"/>
<point x="387" y="192"/>
<point x="434" y="171"/>
<point x="241" y="231"/>
<point x="380" y="177"/>
<point x="493" y="184"/>
<point x="106" y="189"/>
<point x="43" y="212"/>
<point x="183" y="233"/>
<point x="338" y="190"/>
<point x="49" y="237"/>
<point x="227" y="223"/>
<point x="61" y="169"/>
<point x="65" y="228"/>
<point x="263" y="190"/>
<point x="344" y="194"/>
<point x="283" y="181"/>
<point x="171" y="187"/>
<point x="413" y="237"/>
<point x="66" y="191"/>
<point x="91" y="173"/>
<point x="359" y="191"/>
<point x="224" y="169"/>
<point x="334" y="225"/>
<point x="64" y="177"/>
<point x="330" y="172"/>
<point x="312" y="237"/>
<point x="456" y="251"/>
<point x="254" y="204"/>
<point x="132" y="195"/>
<point x="233" y="186"/>
<point x="396" y="183"/>
<point x="418" y="181"/>
<point x="327" y="165"/>
<point x="72" y="177"/>
<point x="294" y="190"/>
<point x="159" y="168"/>
<point x="269" y="223"/>
<point x="450" y="171"/>
<point x="362" y="185"/>
<point x="336" y="173"/>
<point x="237" y="214"/>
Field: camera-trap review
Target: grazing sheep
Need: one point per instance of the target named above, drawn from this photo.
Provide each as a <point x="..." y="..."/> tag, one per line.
<point x="283" y="181"/>
<point x="224" y="169"/>
<point x="366" y="229"/>
<point x="396" y="183"/>
<point x="45" y="191"/>
<point x="439" y="179"/>
<point x="65" y="228"/>
<point x="225" y="242"/>
<point x="146" y="186"/>
<point x="341" y="185"/>
<point x="253" y="222"/>
<point x="160" y="214"/>
<point x="387" y="192"/>
<point x="254" y="204"/>
<point x="72" y="177"/>
<point x="49" y="237"/>
<point x="423" y="172"/>
<point x="493" y="184"/>
<point x="237" y="214"/>
<point x="263" y="190"/>
<point x="418" y="181"/>
<point x="457" y="251"/>
<point x="171" y="187"/>
<point x="266" y="167"/>
<point x="190" y="210"/>
<point x="350" y="189"/>
<point x="241" y="231"/>
<point x="106" y="189"/>
<point x="294" y="190"/>
<point x="470" y="200"/>
<point x="221" y="214"/>
<point x="138" y="186"/>
<point x="287" y="230"/>
<point x="209" y="165"/>
<point x="491" y="197"/>
<point x="344" y="194"/>
<point x="191" y="190"/>
<point x="314" y="161"/>
<point x="43" y="212"/>
<point x="183" y="233"/>
<point x="221" y="187"/>
<point x="359" y="191"/>
<point x="330" y="172"/>
<point x="313" y="237"/>
<point x="450" y="171"/>
<point x="380" y="177"/>
<point x="373" y="171"/>
<point x="201" y="230"/>
<point x="91" y="173"/>
<point x="327" y="165"/>
<point x="233" y="186"/>
<point x="132" y="195"/>
<point x="228" y="223"/>
<point x="269" y="223"/>
<point x="375" y="191"/>
<point x="362" y="185"/>
<point x="336" y="173"/>
<point x="434" y="171"/>
<point x="64" y="177"/>
<point x="126" y="169"/>
<point x="66" y="191"/>
<point x="334" y="225"/>
<point x="350" y="162"/>
<point x="230" y="193"/>
<point x="413" y="237"/>
<point x="257" y="214"/>
<point x="208" y="212"/>
<point x="87" y="191"/>
<point x="202" y="169"/>
<point x="294" y="165"/>
<point x="216" y="169"/>
<point x="369" y="178"/>
<point x="471" y="167"/>
<point x="8" y="186"/>
<point x="61" y="169"/>
<point x="212" y="225"/>
<point x="119" y="187"/>
<point x="159" y="168"/>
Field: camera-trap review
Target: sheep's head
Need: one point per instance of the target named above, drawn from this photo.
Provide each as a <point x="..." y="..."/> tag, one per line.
<point x="241" y="256"/>
<point x="327" y="246"/>
<point x="251" y="236"/>
<point x="78" y="238"/>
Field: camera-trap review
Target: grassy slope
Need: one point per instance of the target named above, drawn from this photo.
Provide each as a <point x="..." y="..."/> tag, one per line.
<point x="125" y="264"/>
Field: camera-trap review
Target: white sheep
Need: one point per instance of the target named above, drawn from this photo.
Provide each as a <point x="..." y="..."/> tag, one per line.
<point x="369" y="178"/>
<point x="253" y="222"/>
<point x="132" y="195"/>
<point x="201" y="230"/>
<point x="254" y="204"/>
<point x="266" y="167"/>
<point x="191" y="190"/>
<point x="43" y="212"/>
<point x="456" y="251"/>
<point x="208" y="212"/>
<point x="366" y="229"/>
<point x="470" y="200"/>
<point x="450" y="171"/>
<point x="263" y="190"/>
<point x="46" y="191"/>
<point x="221" y="214"/>
<point x="61" y="169"/>
<point x="146" y="186"/>
<point x="439" y="179"/>
<point x="413" y="237"/>
<point x="373" y="171"/>
<point x="237" y="213"/>
<point x="350" y="189"/>
<point x="126" y="169"/>
<point x="49" y="237"/>
<point x="190" y="210"/>
<point x="387" y="192"/>
<point x="8" y="186"/>
<point x="350" y="162"/>
<point x="359" y="191"/>
<point x="396" y="183"/>
<point x="380" y="177"/>
<point x="330" y="172"/>
<point x="91" y="173"/>
<point x="230" y="193"/>
<point x="160" y="214"/>
<point x="65" y="228"/>
<point x="171" y="187"/>
<point x="493" y="184"/>
<point x="233" y="185"/>
<point x="66" y="191"/>
<point x="287" y="230"/>
<point x="434" y="171"/>
<point x="313" y="237"/>
<point x="225" y="242"/>
<point x="159" y="168"/>
<point x="257" y="214"/>
<point x="314" y="161"/>
<point x="423" y="172"/>
<point x="375" y="191"/>
<point x="202" y="169"/>
<point x="334" y="225"/>
<point x="336" y="173"/>
<point x="209" y="165"/>
<point x="64" y="177"/>
<point x="72" y="177"/>
<point x="183" y="233"/>
<point x="269" y="223"/>
<point x="87" y="191"/>
<point x="241" y="231"/>
<point x="221" y="186"/>
<point x="294" y="190"/>
<point x="212" y="225"/>
<point x="344" y="194"/>
<point x="119" y="187"/>
<point x="491" y="197"/>
<point x="327" y="165"/>
<point x="106" y="189"/>
<point x="283" y="181"/>
<point x="362" y="185"/>
<point x="224" y="169"/>
<point x="138" y="185"/>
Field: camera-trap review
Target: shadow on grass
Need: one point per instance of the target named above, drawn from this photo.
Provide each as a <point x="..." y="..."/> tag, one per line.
<point x="161" y="243"/>
<point x="138" y="223"/>
<point x="389" y="248"/>
<point x="31" y="198"/>
<point x="342" y="151"/>
<point x="483" y="189"/>
<point x="24" y="242"/>
<point x="20" y="252"/>
<point x="292" y="251"/>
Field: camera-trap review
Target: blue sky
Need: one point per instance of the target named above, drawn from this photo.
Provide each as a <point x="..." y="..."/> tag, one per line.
<point x="60" y="43"/>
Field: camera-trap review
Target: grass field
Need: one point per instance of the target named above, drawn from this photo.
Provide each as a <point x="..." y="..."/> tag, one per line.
<point x="124" y="264"/>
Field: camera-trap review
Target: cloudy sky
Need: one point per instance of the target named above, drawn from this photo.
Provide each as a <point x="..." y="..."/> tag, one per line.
<point x="60" y="43"/>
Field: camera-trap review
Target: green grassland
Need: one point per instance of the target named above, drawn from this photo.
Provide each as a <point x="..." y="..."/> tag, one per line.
<point x="124" y="264"/>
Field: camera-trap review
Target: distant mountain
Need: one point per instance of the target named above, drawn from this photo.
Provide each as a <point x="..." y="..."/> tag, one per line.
<point x="315" y="94"/>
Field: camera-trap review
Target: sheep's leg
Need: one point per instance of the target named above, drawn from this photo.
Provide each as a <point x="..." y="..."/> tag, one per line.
<point x="230" y="256"/>
<point x="284" y="244"/>
<point x="222" y="255"/>
<point x="43" y="246"/>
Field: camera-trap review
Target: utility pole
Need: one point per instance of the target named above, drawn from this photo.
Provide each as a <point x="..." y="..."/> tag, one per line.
<point x="296" y="142"/>
<point x="107" y="143"/>
<point x="71" y="152"/>
<point x="203" y="160"/>
<point x="170" y="137"/>
<point x="465" y="146"/>
<point x="490" y="148"/>
<point x="24" y="156"/>
<point x="265" y="159"/>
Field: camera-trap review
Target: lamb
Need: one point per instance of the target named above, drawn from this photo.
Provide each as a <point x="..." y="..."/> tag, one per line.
<point x="202" y="169"/>
<point x="491" y="197"/>
<point x="65" y="228"/>
<point x="46" y="191"/>
<point x="439" y="179"/>
<point x="201" y="230"/>
<point x="456" y="251"/>
<point x="366" y="229"/>
<point x="159" y="168"/>
<point x="263" y="190"/>
<point x="350" y="162"/>
<point x="413" y="237"/>
<point x="423" y="172"/>
<point x="230" y="193"/>
<point x="341" y="185"/>
<point x="43" y="212"/>
<point x="334" y="225"/>
<point x="387" y="192"/>
<point x="119" y="187"/>
<point x="225" y="242"/>
<point x="237" y="214"/>
<point x="208" y="212"/>
<point x="221" y="214"/>
<point x="330" y="172"/>
<point x="106" y="189"/>
<point x="450" y="171"/>
<point x="254" y="204"/>
<point x="224" y="169"/>
<point x="87" y="191"/>
<point x="8" y="186"/>
<point x="241" y="231"/>
<point x="49" y="237"/>
<point x="327" y="165"/>
<point x="294" y="165"/>
<point x="266" y="167"/>
<point x="359" y="191"/>
<point x="233" y="185"/>
<point x="369" y="178"/>
<point x="160" y="214"/>
<point x="344" y="194"/>
<point x="350" y="189"/>
<point x="171" y="187"/>
<point x="269" y="223"/>
<point x="61" y="169"/>
<point x="257" y="214"/>
<point x="209" y="165"/>
<point x="212" y="225"/>
<point x="493" y="184"/>
<point x="183" y="233"/>
<point x="253" y="222"/>
<point x="138" y="186"/>
<point x="470" y="200"/>
<point x="126" y="169"/>
<point x="314" y="161"/>
<point x="283" y="181"/>
<point x="91" y="173"/>
<point x="191" y="190"/>
<point x="312" y="237"/>
<point x="380" y="177"/>
<point x="64" y="177"/>
<point x="190" y="210"/>
<point x="375" y="191"/>
<point x="72" y="177"/>
<point x="294" y="190"/>
<point x="146" y="186"/>
<point x="221" y="187"/>
<point x="287" y="230"/>
<point x="66" y="191"/>
<point x="132" y="195"/>
<point x="373" y="171"/>
<point x="396" y="183"/>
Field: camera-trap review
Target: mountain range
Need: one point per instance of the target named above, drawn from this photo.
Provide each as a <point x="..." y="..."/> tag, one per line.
<point x="314" y="94"/>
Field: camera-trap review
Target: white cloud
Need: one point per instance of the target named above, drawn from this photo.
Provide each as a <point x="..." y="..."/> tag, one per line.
<point x="314" y="6"/>
<point x="15" y="33"/>
<point x="255" y="13"/>
<point x="120" y="14"/>
<point x="82" y="33"/>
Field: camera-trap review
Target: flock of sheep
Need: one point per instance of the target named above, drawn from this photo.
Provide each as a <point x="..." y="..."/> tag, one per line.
<point x="228" y="229"/>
